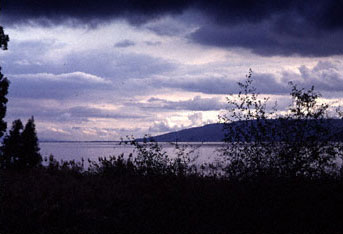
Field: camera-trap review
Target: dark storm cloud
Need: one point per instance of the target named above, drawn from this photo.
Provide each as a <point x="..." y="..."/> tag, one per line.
<point x="305" y="28"/>
<point x="323" y="13"/>
<point x="270" y="27"/>
<point x="269" y="38"/>
<point x="88" y="11"/>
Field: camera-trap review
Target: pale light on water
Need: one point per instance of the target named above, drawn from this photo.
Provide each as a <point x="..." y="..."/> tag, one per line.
<point x="202" y="152"/>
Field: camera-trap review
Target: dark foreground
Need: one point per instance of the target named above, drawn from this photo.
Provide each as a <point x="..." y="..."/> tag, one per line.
<point x="67" y="201"/>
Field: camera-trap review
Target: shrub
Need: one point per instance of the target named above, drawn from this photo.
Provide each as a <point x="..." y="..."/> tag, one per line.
<point x="299" y="143"/>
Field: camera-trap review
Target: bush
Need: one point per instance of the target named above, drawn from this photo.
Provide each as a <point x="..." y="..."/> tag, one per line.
<point x="299" y="143"/>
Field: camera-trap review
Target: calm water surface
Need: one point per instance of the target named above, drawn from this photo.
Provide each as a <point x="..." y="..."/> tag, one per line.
<point x="93" y="150"/>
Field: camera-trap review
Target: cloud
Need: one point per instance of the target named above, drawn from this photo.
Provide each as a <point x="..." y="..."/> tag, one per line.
<point x="163" y="126"/>
<point x="88" y="11"/>
<point x="324" y="76"/>
<point x="265" y="83"/>
<point x="78" y="133"/>
<point x="272" y="37"/>
<point x="55" y="86"/>
<point x="196" y="119"/>
<point x="168" y="26"/>
<point x="271" y="27"/>
<point x="30" y="57"/>
<point x="78" y="77"/>
<point x="195" y="104"/>
<point x="76" y="114"/>
<point x="153" y="43"/>
<point x="124" y="44"/>
<point x="117" y="66"/>
<point x="320" y="13"/>
<point x="89" y="112"/>
<point x="268" y="28"/>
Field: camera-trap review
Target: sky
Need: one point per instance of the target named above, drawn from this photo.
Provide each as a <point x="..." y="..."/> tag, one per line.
<point x="101" y="70"/>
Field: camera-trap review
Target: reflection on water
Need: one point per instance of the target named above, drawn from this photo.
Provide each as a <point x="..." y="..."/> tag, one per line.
<point x="93" y="150"/>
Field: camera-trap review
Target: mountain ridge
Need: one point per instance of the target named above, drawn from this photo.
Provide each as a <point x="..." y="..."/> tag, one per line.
<point x="216" y="133"/>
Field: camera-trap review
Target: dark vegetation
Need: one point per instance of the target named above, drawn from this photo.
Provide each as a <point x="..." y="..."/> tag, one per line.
<point x="274" y="177"/>
<point x="116" y="200"/>
<point x="20" y="148"/>
<point x="4" y="83"/>
<point x="302" y="142"/>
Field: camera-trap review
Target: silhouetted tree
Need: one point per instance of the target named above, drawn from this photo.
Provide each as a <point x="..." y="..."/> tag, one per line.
<point x="30" y="148"/>
<point x="308" y="136"/>
<point x="12" y="147"/>
<point x="20" y="147"/>
<point x="248" y="151"/>
<point x="4" y="39"/>
<point x="4" y="83"/>
<point x="299" y="143"/>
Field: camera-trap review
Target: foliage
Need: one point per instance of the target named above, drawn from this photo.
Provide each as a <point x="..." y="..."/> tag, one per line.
<point x="70" y="167"/>
<point x="114" y="166"/>
<point x="153" y="193"/>
<point x="4" y="84"/>
<point x="12" y="145"/>
<point x="60" y="199"/>
<point x="247" y="152"/>
<point x="20" y="147"/>
<point x="299" y="143"/>
<point x="309" y="140"/>
<point x="183" y="164"/>
<point x="151" y="159"/>
<point x="30" y="147"/>
<point x="3" y="39"/>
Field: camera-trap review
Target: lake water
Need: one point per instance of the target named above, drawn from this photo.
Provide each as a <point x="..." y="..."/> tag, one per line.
<point x="199" y="152"/>
<point x="92" y="150"/>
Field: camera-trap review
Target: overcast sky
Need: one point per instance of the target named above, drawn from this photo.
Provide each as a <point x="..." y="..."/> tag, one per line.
<point x="101" y="70"/>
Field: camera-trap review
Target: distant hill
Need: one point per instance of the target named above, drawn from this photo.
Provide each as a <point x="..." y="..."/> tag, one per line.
<point x="207" y="133"/>
<point x="215" y="132"/>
